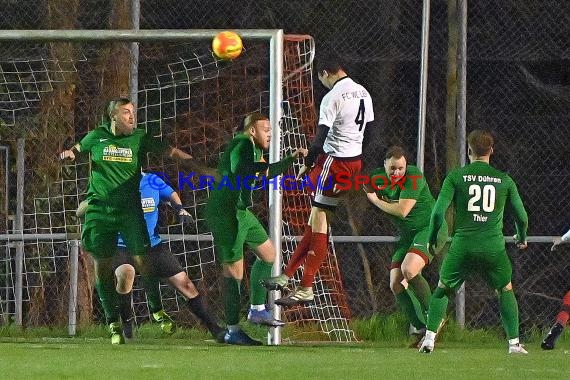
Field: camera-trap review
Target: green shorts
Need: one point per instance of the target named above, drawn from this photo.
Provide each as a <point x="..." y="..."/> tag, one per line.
<point x="232" y="231"/>
<point x="103" y="224"/>
<point x="494" y="267"/>
<point x="417" y="243"/>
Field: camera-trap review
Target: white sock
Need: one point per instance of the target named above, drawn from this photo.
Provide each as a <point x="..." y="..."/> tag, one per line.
<point x="514" y="341"/>
<point x="430" y="335"/>
<point x="258" y="307"/>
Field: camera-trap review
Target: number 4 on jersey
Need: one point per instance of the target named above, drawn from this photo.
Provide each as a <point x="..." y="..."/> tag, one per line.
<point x="360" y="115"/>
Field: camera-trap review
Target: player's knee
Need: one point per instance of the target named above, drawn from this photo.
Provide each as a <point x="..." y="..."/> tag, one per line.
<point x="233" y="270"/>
<point x="189" y="285"/>
<point x="125" y="278"/>
<point x="190" y="288"/>
<point x="266" y="252"/>
<point x="409" y="273"/>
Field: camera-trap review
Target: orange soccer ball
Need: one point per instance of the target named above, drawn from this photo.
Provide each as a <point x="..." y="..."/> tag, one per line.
<point x="227" y="45"/>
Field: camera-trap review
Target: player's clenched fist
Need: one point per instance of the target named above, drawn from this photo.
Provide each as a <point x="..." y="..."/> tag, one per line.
<point x="67" y="155"/>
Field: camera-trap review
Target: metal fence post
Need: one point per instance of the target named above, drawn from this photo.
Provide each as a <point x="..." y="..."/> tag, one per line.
<point x="19" y="229"/>
<point x="73" y="275"/>
<point x="461" y="123"/>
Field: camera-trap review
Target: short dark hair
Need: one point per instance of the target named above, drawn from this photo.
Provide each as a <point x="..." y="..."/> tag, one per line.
<point x="250" y="119"/>
<point x="112" y="107"/>
<point x="397" y="152"/>
<point x="481" y="142"/>
<point x="331" y="63"/>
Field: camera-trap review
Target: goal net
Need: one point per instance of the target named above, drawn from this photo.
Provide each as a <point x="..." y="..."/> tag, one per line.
<point x="52" y="94"/>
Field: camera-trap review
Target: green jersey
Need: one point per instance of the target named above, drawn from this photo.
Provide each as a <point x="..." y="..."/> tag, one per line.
<point x="412" y="186"/>
<point x="240" y="165"/>
<point x="116" y="164"/>
<point x="479" y="193"/>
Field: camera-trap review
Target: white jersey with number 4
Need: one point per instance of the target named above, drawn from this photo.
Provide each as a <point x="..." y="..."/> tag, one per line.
<point x="345" y="109"/>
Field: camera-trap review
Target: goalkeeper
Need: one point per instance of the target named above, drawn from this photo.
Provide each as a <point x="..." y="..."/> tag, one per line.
<point x="408" y="201"/>
<point x="163" y="263"/>
<point x="233" y="224"/>
<point x="117" y="149"/>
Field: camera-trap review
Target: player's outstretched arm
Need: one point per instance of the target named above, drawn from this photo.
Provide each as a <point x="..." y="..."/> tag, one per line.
<point x="281" y="166"/>
<point x="69" y="154"/>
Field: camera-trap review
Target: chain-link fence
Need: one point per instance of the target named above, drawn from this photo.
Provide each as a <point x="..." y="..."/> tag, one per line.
<point x="517" y="86"/>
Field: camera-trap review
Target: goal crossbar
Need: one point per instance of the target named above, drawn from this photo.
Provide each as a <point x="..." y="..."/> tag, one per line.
<point x="127" y="35"/>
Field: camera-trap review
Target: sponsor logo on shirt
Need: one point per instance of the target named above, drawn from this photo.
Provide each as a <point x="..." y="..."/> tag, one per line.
<point x="113" y="153"/>
<point x="148" y="204"/>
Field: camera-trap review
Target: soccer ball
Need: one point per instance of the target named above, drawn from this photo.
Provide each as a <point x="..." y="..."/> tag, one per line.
<point x="227" y="45"/>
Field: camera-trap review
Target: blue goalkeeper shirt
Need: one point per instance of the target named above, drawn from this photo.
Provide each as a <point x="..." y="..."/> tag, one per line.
<point x="153" y="190"/>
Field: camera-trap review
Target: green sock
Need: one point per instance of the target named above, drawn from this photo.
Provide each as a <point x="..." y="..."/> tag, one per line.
<point x="405" y="302"/>
<point x="232" y="298"/>
<point x="109" y="299"/>
<point x="259" y="271"/>
<point x="152" y="289"/>
<point x="421" y="290"/>
<point x="437" y="309"/>
<point x="509" y="313"/>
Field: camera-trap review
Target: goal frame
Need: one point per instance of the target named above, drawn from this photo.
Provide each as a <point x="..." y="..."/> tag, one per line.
<point x="275" y="38"/>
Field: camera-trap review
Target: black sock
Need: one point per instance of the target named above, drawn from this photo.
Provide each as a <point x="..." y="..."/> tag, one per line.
<point x="200" y="310"/>
<point x="125" y="308"/>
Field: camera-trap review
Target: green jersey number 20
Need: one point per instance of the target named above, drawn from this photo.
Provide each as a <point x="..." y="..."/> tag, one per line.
<point x="481" y="197"/>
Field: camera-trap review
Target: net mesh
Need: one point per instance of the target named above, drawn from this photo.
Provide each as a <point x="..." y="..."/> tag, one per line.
<point x="195" y="101"/>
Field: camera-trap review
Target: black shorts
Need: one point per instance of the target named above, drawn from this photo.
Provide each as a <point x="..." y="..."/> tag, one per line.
<point x="163" y="263"/>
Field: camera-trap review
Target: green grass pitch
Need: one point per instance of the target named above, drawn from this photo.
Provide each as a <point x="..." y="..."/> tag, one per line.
<point x="189" y="354"/>
<point x="80" y="358"/>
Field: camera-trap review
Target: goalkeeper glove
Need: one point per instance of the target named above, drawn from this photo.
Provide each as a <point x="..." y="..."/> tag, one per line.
<point x="183" y="215"/>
